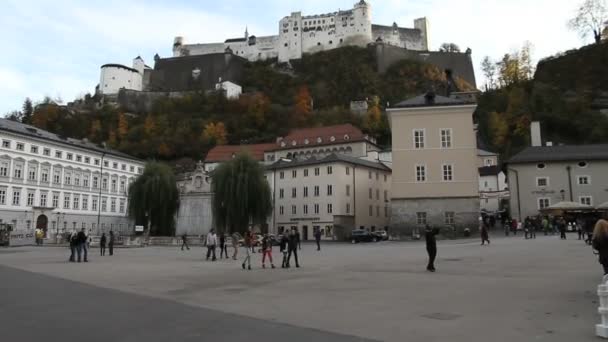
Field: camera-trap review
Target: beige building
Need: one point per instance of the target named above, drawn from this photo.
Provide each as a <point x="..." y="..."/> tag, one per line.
<point x="435" y="164"/>
<point x="335" y="194"/>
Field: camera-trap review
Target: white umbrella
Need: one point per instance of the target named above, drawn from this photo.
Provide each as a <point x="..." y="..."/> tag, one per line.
<point x="569" y="206"/>
<point x="603" y="206"/>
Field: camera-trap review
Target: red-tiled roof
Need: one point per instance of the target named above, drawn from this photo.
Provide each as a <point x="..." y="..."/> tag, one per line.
<point x="226" y="152"/>
<point x="318" y="136"/>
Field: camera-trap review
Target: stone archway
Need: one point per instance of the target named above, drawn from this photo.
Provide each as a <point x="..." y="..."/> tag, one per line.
<point x="42" y="223"/>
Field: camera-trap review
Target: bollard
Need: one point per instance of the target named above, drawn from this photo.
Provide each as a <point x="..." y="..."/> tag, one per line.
<point x="601" y="329"/>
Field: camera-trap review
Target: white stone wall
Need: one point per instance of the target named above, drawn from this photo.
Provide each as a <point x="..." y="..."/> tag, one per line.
<point x="114" y="78"/>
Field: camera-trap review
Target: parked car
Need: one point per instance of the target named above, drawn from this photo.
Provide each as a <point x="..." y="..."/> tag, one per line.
<point x="360" y="235"/>
<point x="381" y="234"/>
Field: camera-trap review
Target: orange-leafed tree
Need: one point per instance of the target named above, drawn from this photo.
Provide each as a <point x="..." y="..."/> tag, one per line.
<point x="215" y="133"/>
<point x="123" y="126"/>
<point x="303" y="105"/>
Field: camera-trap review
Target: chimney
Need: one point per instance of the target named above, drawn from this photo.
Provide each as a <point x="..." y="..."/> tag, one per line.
<point x="429" y="98"/>
<point x="535" y="134"/>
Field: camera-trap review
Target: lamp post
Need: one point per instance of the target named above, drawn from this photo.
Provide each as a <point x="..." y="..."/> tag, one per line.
<point x="100" y="187"/>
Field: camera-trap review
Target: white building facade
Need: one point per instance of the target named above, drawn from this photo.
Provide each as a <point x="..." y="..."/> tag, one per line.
<point x="62" y="184"/>
<point x="300" y="34"/>
<point x="335" y="195"/>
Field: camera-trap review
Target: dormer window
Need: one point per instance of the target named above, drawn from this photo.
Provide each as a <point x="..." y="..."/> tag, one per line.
<point x="346" y="137"/>
<point x="319" y="140"/>
<point x="306" y="141"/>
<point x="283" y="144"/>
<point x="294" y="143"/>
<point x="332" y="139"/>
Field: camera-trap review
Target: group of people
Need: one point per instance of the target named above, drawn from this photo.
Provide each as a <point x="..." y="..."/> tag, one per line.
<point x="289" y="244"/>
<point x="80" y="242"/>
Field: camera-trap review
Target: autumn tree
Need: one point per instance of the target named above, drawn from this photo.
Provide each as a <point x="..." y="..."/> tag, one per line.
<point x="488" y="67"/>
<point x="123" y="126"/>
<point x="591" y="17"/>
<point x="373" y="118"/>
<point x="449" y="47"/>
<point x="215" y="133"/>
<point x="303" y="105"/>
<point x="27" y="111"/>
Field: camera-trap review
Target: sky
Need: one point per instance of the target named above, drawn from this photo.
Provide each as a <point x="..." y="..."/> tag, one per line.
<point x="56" y="47"/>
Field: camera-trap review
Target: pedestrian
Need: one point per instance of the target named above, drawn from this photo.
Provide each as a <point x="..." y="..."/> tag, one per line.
<point x="318" y="238"/>
<point x="579" y="228"/>
<point x="485" y="236"/>
<point x="223" y="245"/>
<point x="185" y="241"/>
<point x="102" y="244"/>
<point x="254" y="241"/>
<point x="533" y="224"/>
<point x="248" y="242"/>
<point x="284" y="249"/>
<point x="235" y="245"/>
<point x="266" y="251"/>
<point x="431" y="246"/>
<point x="81" y="241"/>
<point x="527" y="224"/>
<point x="561" y="223"/>
<point x="298" y="239"/>
<point x="514" y="225"/>
<point x="292" y="245"/>
<point x="73" y="239"/>
<point x="111" y="243"/>
<point x="600" y="242"/>
<point x="211" y="242"/>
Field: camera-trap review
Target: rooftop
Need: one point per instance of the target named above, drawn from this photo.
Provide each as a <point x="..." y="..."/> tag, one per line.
<point x="319" y="136"/>
<point x="484" y="153"/>
<point x="431" y="99"/>
<point x="224" y="153"/>
<point x="113" y="65"/>
<point x="561" y="153"/>
<point x="31" y="131"/>
<point x="332" y="158"/>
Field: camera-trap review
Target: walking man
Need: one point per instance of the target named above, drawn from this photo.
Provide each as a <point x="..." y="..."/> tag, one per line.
<point x="318" y="238"/>
<point x="102" y="244"/>
<point x="431" y="246"/>
<point x="248" y="244"/>
<point x="211" y="243"/>
<point x="81" y="245"/>
<point x="223" y="245"/>
<point x="292" y="245"/>
<point x="185" y="241"/>
<point x="562" y="228"/>
<point x="485" y="236"/>
<point x="111" y="243"/>
<point x="73" y="243"/>
<point x="266" y="251"/>
<point x="235" y="245"/>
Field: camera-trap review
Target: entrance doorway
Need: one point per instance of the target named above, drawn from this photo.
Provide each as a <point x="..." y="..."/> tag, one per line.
<point x="305" y="233"/>
<point x="42" y="223"/>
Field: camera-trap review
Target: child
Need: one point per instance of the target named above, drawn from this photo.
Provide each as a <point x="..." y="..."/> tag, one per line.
<point x="284" y="250"/>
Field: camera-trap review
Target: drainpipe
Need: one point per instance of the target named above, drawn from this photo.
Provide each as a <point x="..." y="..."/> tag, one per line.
<point x="569" y="169"/>
<point x="518" y="195"/>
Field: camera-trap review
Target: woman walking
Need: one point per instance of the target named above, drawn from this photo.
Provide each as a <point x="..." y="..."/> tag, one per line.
<point x="600" y="243"/>
<point x="485" y="236"/>
<point x="248" y="244"/>
<point x="266" y="251"/>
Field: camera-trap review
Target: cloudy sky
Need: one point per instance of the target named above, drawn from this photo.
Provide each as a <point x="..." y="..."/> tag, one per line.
<point x="55" y="47"/>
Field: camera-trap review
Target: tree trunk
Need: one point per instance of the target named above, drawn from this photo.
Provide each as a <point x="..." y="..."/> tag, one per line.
<point x="598" y="36"/>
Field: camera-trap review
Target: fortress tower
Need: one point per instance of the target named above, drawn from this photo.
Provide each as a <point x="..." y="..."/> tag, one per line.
<point x="363" y="20"/>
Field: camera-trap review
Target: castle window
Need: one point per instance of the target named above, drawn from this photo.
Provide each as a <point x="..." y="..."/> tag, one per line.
<point x="319" y="44"/>
<point x="285" y="46"/>
<point x="331" y="42"/>
<point x="341" y="40"/>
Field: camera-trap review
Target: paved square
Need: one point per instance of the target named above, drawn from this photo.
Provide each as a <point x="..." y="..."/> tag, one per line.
<point x="514" y="289"/>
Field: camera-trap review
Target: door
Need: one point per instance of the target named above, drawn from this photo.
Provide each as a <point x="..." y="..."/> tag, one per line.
<point x="305" y="233"/>
<point x="42" y="223"/>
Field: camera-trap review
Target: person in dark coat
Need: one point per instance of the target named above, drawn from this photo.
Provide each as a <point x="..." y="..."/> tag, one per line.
<point x="111" y="243"/>
<point x="223" y="246"/>
<point x="102" y="244"/>
<point x="431" y="246"/>
<point x="292" y="245"/>
<point x="561" y="223"/>
<point x="318" y="238"/>
<point x="81" y="246"/>
<point x="600" y="243"/>
<point x="73" y="240"/>
<point x="185" y="241"/>
<point x="485" y="235"/>
<point x="284" y="249"/>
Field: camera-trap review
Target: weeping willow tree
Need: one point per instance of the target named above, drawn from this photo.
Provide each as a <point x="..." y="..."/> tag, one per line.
<point x="154" y="199"/>
<point x="241" y="194"/>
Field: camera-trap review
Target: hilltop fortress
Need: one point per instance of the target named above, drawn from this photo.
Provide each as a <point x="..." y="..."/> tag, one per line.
<point x="300" y="34"/>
